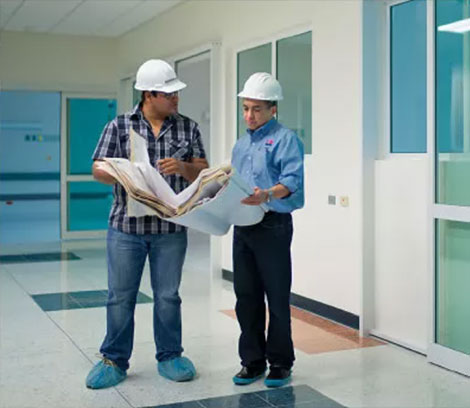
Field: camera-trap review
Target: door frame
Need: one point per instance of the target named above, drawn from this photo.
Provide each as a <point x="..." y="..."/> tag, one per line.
<point x="218" y="145"/>
<point x="64" y="177"/>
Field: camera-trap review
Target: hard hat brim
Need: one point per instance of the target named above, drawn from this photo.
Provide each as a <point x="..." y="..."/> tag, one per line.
<point x="174" y="86"/>
<point x="248" y="95"/>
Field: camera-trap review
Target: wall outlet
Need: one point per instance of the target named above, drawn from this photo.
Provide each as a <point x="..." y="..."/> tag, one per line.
<point x="332" y="200"/>
<point x="344" y="201"/>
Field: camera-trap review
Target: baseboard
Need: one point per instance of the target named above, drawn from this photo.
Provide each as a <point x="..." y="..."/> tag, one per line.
<point x="313" y="306"/>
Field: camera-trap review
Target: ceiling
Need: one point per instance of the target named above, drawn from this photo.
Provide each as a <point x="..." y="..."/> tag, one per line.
<point x="106" y="18"/>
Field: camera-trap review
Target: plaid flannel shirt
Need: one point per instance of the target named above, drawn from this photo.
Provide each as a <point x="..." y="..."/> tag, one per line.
<point x="179" y="138"/>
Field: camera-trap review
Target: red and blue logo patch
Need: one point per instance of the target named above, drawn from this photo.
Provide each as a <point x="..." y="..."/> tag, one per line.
<point x="269" y="142"/>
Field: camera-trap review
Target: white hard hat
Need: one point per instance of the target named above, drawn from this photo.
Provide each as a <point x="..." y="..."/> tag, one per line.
<point x="262" y="86"/>
<point x="157" y="75"/>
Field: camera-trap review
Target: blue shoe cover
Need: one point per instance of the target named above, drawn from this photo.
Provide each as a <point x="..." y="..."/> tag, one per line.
<point x="105" y="374"/>
<point x="246" y="381"/>
<point x="274" y="383"/>
<point x="177" y="369"/>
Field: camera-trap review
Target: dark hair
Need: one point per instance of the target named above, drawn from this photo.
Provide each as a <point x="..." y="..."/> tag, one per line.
<point x="142" y="96"/>
<point x="271" y="104"/>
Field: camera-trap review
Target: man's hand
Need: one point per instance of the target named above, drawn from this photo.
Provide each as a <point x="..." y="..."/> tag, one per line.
<point x="189" y="170"/>
<point x="258" y="197"/>
<point x="101" y="175"/>
<point x="170" y="166"/>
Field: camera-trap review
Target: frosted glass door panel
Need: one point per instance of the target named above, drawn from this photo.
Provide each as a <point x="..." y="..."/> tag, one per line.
<point x="452" y="106"/>
<point x="453" y="285"/>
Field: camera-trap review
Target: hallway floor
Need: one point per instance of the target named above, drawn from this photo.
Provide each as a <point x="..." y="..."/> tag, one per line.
<point x="52" y="322"/>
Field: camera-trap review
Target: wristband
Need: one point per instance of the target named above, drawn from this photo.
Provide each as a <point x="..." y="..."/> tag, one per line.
<point x="270" y="195"/>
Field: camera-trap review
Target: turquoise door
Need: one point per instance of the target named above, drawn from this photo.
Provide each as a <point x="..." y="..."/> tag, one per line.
<point x="85" y="203"/>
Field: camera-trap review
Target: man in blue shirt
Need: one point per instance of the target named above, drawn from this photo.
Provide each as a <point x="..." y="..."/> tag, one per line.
<point x="270" y="158"/>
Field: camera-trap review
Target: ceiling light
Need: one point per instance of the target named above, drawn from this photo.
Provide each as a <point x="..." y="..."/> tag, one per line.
<point x="460" y="27"/>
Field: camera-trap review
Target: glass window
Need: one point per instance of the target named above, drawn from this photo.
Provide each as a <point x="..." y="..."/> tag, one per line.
<point x="453" y="285"/>
<point x="452" y="105"/>
<point x="294" y="72"/>
<point x="256" y="59"/>
<point x="86" y="118"/>
<point x="408" y="77"/>
<point x="89" y="204"/>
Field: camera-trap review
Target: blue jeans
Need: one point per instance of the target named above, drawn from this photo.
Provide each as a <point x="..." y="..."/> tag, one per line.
<point x="126" y="255"/>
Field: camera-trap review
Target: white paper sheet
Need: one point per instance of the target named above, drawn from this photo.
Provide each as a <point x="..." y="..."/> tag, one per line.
<point x="217" y="206"/>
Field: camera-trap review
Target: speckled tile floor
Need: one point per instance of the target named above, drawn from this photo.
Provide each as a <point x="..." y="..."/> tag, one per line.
<point x="45" y="355"/>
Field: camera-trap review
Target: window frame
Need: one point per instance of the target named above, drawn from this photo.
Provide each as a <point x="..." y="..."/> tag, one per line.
<point x="270" y="39"/>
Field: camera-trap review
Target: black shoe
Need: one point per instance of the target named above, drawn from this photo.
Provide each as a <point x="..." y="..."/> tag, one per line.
<point x="248" y="375"/>
<point x="277" y="377"/>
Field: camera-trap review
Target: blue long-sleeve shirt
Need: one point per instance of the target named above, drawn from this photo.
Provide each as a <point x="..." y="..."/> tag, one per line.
<point x="270" y="155"/>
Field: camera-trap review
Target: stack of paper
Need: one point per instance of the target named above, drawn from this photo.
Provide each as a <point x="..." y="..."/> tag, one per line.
<point x="210" y="204"/>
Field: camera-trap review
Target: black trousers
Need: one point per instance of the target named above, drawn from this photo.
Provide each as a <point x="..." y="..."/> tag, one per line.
<point x="262" y="266"/>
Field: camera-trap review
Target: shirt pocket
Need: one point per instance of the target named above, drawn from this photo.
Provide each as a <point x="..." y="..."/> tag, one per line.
<point x="179" y="150"/>
<point x="270" y="165"/>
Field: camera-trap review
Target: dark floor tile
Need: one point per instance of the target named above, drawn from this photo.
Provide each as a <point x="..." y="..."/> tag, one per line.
<point x="291" y="397"/>
<point x="249" y="400"/>
<point x="143" y="298"/>
<point x="277" y="396"/>
<point x="9" y="259"/>
<point x="90" y="298"/>
<point x="190" y="404"/>
<point x="76" y="300"/>
<point x="52" y="302"/>
<point x="52" y="256"/>
<point x="301" y="396"/>
<point x="41" y="257"/>
<point x="314" y="404"/>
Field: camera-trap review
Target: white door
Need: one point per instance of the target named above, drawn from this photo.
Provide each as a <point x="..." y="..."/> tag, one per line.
<point x="201" y="100"/>
<point x="195" y="98"/>
<point x="395" y="305"/>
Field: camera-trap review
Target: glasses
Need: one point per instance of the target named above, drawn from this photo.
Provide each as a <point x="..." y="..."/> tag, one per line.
<point x="165" y="95"/>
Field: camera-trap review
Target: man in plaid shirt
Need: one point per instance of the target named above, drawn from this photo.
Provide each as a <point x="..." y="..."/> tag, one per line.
<point x="175" y="147"/>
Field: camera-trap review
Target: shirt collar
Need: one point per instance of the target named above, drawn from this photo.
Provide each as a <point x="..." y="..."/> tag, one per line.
<point x="263" y="130"/>
<point x="137" y="114"/>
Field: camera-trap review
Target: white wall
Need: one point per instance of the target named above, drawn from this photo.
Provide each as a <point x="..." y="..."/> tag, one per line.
<point x="57" y="62"/>
<point x="327" y="243"/>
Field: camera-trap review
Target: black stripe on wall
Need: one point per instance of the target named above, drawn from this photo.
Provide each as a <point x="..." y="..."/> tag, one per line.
<point x="313" y="306"/>
<point x="52" y="196"/>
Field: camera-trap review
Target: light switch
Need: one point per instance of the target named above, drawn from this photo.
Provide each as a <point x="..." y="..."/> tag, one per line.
<point x="332" y="200"/>
<point x="344" y="201"/>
